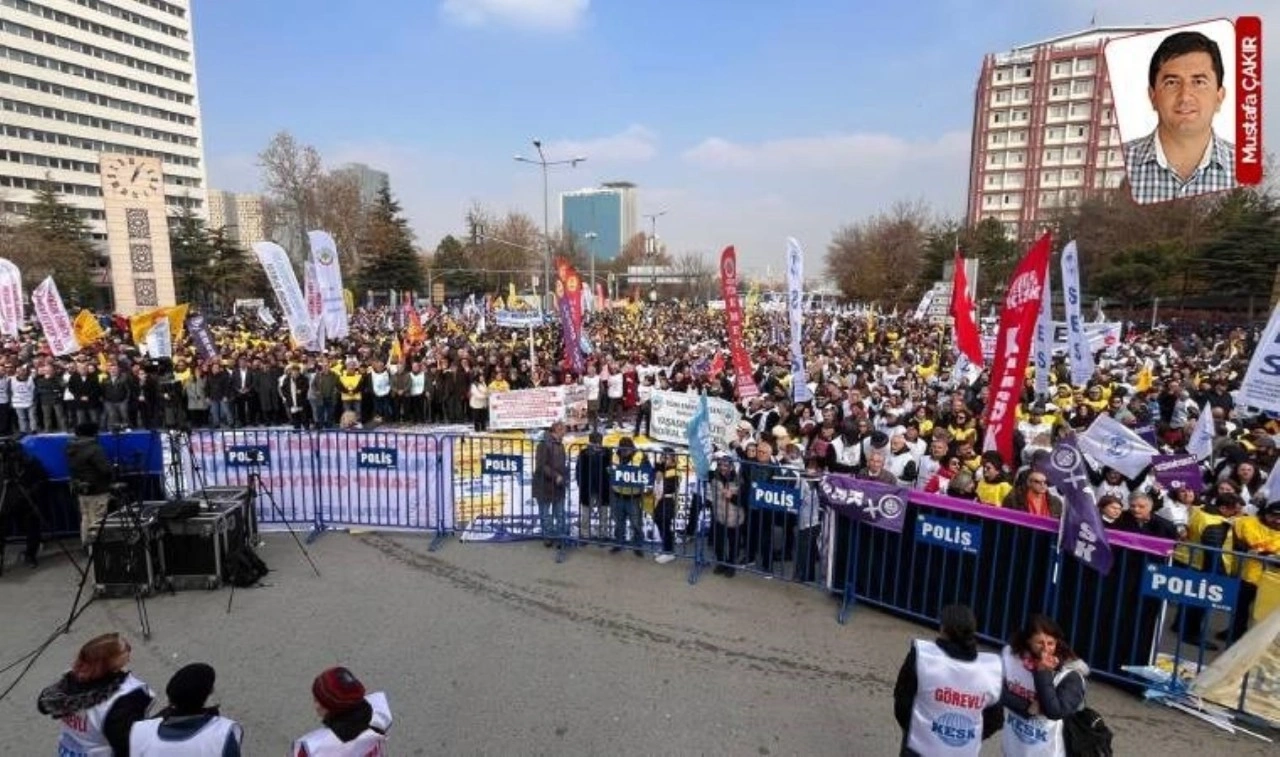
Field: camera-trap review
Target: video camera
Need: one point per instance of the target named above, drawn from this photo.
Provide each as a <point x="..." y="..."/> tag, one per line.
<point x="13" y="459"/>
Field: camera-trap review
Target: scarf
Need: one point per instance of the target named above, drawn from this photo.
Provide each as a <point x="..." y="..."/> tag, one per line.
<point x="69" y="695"/>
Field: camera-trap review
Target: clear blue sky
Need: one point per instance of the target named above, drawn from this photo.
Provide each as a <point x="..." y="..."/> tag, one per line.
<point x="748" y="120"/>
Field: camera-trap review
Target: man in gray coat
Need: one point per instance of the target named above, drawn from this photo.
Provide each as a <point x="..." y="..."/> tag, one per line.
<point x="551" y="483"/>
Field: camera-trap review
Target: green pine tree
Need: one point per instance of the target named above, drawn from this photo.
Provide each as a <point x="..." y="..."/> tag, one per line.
<point x="192" y="255"/>
<point x="67" y="251"/>
<point x="388" y="259"/>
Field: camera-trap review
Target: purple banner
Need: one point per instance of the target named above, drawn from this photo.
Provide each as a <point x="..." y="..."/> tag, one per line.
<point x="881" y="505"/>
<point x="1148" y="434"/>
<point x="206" y="349"/>
<point x="1082" y="533"/>
<point x="1178" y="472"/>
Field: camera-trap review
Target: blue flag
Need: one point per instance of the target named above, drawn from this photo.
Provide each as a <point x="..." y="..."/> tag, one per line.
<point x="701" y="446"/>
<point x="1080" y="532"/>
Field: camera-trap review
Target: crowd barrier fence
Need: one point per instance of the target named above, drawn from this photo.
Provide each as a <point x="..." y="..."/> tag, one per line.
<point x="478" y="488"/>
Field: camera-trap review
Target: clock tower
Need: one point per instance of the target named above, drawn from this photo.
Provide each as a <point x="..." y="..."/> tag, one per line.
<point x="137" y="232"/>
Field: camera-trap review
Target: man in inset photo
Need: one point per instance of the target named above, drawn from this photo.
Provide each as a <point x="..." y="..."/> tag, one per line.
<point x="1183" y="157"/>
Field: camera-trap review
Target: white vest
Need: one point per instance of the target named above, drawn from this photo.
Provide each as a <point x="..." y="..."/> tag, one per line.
<point x="24" y="392"/>
<point x="82" y="735"/>
<point x="417" y="384"/>
<point x="946" y="717"/>
<point x="322" y="742"/>
<point x="897" y="465"/>
<point x="380" y="383"/>
<point x="1035" y="736"/>
<point x="145" y="741"/>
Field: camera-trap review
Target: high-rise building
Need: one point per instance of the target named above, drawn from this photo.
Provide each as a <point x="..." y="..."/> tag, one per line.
<point x="370" y="180"/>
<point x="602" y="219"/>
<point x="241" y="215"/>
<point x="1044" y="130"/>
<point x="79" y="78"/>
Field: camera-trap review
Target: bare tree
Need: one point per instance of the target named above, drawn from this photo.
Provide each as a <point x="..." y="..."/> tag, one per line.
<point x="339" y="211"/>
<point x="291" y="172"/>
<point x="879" y="260"/>
<point x="699" y="275"/>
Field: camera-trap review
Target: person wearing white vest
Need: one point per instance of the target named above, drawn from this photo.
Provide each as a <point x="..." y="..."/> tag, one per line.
<point x="187" y="728"/>
<point x="1044" y="682"/>
<point x="947" y="697"/>
<point x="355" y="722"/>
<point x="97" y="701"/>
<point x="22" y="394"/>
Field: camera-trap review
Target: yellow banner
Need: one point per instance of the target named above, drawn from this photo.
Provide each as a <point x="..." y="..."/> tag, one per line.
<point x="87" y="328"/>
<point x="141" y="323"/>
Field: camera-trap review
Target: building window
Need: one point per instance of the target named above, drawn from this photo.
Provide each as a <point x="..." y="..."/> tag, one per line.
<point x="1057" y="111"/>
<point x="1020" y="116"/>
<point x="997" y="118"/>
<point x="1080" y="110"/>
<point x="1025" y="72"/>
<point x="1000" y="74"/>
<point x="1049" y="177"/>
<point x="1053" y="133"/>
<point x="1002" y="95"/>
<point x="1052" y="156"/>
<point x="1082" y="87"/>
<point x="1015" y="157"/>
<point x="1022" y="94"/>
<point x="993" y="179"/>
<point x="989" y="201"/>
<point x="1018" y="137"/>
<point x="1061" y="67"/>
<point x="1057" y="90"/>
<point x="1084" y="65"/>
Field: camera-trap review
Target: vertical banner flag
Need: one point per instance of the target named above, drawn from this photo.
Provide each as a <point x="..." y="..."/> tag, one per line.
<point x="1080" y="532"/>
<point x="1078" y="351"/>
<point x="324" y="256"/>
<point x="744" y="382"/>
<point x="569" y="303"/>
<point x="206" y="348"/>
<point x="968" y="340"/>
<point x="11" y="298"/>
<point x="800" y="391"/>
<point x="1013" y="346"/>
<point x="1261" y="385"/>
<point x="160" y="338"/>
<point x="53" y="319"/>
<point x="1044" y="340"/>
<point x="701" y="441"/>
<point x="1201" y="442"/>
<point x="315" y="308"/>
<point x="284" y="282"/>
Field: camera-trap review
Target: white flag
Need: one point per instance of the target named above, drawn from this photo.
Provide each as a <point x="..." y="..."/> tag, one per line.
<point x="800" y="391"/>
<point x="1078" y="348"/>
<point x="11" y="298"/>
<point x="1114" y="445"/>
<point x="1261" y="385"/>
<point x="160" y="339"/>
<point x="284" y="282"/>
<point x="1044" y="340"/>
<point x="266" y="316"/>
<point x="1201" y="442"/>
<point x="53" y="319"/>
<point x="324" y="255"/>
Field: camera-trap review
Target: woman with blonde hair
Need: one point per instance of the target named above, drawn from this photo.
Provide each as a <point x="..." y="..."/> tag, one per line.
<point x="98" y="700"/>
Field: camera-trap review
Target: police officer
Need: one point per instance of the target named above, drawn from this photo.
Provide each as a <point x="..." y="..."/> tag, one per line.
<point x="355" y="722"/>
<point x="631" y="475"/>
<point x="947" y="698"/>
<point x="98" y="700"/>
<point x="187" y="728"/>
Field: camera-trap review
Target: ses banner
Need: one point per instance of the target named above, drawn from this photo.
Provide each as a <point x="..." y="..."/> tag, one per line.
<point x="672" y="412"/>
<point x="538" y="408"/>
<point x="331" y="478"/>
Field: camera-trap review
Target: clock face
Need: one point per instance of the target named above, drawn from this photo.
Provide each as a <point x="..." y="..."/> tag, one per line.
<point x="131" y="178"/>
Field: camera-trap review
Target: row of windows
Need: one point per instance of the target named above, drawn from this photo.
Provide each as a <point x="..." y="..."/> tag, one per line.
<point x="84" y="214"/>
<point x="66" y="43"/>
<point x="17" y="106"/>
<point x="85" y="190"/>
<point x="1059" y="68"/>
<point x="94" y="145"/>
<point x="68" y="164"/>
<point x="76" y="22"/>
<point x="161" y="5"/>
<point x="94" y="98"/>
<point x="135" y="18"/>
<point x="73" y="69"/>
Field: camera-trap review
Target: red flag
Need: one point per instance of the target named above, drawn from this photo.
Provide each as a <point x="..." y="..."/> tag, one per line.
<point x="1018" y="319"/>
<point x="717" y="365"/>
<point x="967" y="338"/>
<point x="744" y="382"/>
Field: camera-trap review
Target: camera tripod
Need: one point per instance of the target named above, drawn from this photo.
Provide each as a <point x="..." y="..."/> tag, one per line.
<point x="259" y="489"/>
<point x="137" y="533"/>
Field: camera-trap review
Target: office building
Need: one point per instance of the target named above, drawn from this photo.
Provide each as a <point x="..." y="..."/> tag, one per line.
<point x="240" y="215"/>
<point x="602" y="219"/>
<point x="82" y="81"/>
<point x="1044" y="131"/>
<point x="370" y="180"/>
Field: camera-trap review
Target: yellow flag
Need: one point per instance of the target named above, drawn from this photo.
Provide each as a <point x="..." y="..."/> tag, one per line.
<point x="513" y="300"/>
<point x="103" y="363"/>
<point x="1145" y="379"/>
<point x="349" y="300"/>
<point x="178" y="320"/>
<point x="141" y="323"/>
<point x="397" y="352"/>
<point x="87" y="328"/>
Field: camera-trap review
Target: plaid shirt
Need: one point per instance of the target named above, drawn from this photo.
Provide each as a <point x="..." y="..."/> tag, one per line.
<point x="1150" y="178"/>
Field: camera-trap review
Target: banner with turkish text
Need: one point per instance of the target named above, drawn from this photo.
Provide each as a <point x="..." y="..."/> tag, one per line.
<point x="1078" y="352"/>
<point x="744" y="382"/>
<point x="570" y="306"/>
<point x="1044" y="340"/>
<point x="881" y="505"/>
<point x="1018" y="316"/>
<point x="1081" y="533"/>
<point x="11" y="298"/>
<point x="800" y="391"/>
<point x="328" y="271"/>
<point x="52" y="315"/>
<point x="201" y="339"/>
<point x="1261" y="385"/>
<point x="284" y="282"/>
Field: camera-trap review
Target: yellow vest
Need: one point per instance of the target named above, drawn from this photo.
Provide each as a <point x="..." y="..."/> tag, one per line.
<point x="1252" y="534"/>
<point x="1199" y="522"/>
<point x="993" y="494"/>
<point x="350" y="386"/>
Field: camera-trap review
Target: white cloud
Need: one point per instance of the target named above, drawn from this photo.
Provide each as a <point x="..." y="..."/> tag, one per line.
<point x="635" y="144"/>
<point x="541" y="15"/>
<point x="837" y="152"/>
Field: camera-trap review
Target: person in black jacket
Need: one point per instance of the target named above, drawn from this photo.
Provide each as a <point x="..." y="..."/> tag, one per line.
<point x="592" y="473"/>
<point x="1140" y="519"/>
<point x="18" y="508"/>
<point x="86" y="393"/>
<point x="221" y="391"/>
<point x="90" y="475"/>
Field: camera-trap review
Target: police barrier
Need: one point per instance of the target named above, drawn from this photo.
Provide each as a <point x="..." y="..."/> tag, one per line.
<point x="764" y="519"/>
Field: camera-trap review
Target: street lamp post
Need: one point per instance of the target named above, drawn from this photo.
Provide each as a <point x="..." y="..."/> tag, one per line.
<point x="591" y="238"/>
<point x="653" y="253"/>
<point x="546" y="211"/>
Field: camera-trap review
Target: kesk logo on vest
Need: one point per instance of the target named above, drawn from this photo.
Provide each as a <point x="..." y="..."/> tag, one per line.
<point x="954" y="729"/>
<point x="1026" y="730"/>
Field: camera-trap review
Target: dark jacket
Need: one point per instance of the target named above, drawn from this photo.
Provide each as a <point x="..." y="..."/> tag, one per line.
<point x="86" y="387"/>
<point x="88" y="464"/>
<point x="550" y="470"/>
<point x="904" y="692"/>
<point x="593" y="475"/>
<point x="219" y="386"/>
<point x="49" y="389"/>
<point x="1154" y="526"/>
<point x="1055" y="702"/>
<point x="119" y="389"/>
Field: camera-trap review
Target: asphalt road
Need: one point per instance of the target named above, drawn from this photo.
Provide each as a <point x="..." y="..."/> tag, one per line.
<point x="497" y="649"/>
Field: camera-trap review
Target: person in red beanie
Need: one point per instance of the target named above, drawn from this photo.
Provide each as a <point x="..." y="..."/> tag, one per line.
<point x="355" y="722"/>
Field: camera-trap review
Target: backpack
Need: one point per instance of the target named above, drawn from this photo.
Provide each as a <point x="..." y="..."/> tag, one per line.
<point x="244" y="568"/>
<point x="1086" y="734"/>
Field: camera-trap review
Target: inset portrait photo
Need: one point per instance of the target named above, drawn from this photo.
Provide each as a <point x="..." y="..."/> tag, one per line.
<point x="1175" y="110"/>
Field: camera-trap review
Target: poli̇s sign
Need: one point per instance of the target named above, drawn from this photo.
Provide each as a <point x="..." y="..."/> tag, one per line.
<point x="247" y="455"/>
<point x="503" y="465"/>
<point x="1191" y="588"/>
<point x="632" y="477"/>
<point x="949" y="534"/>
<point x="775" y="497"/>
<point x="384" y="458"/>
